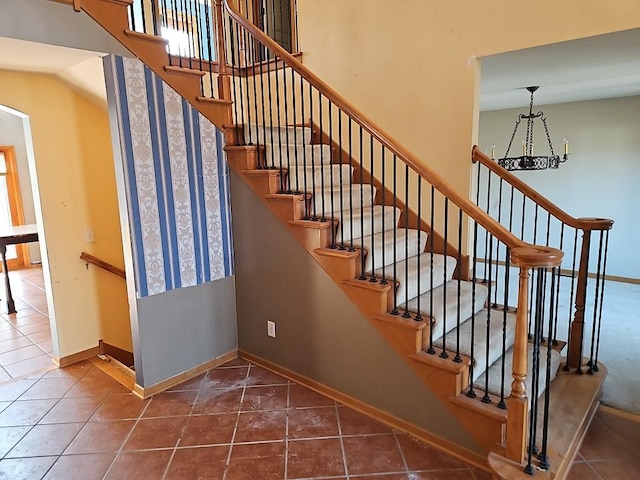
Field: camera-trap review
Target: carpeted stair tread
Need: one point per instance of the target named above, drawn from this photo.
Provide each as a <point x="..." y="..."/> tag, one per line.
<point x="420" y="281"/>
<point x="298" y="155"/>
<point x="496" y="320"/>
<point x="306" y="179"/>
<point x="385" y="247"/>
<point x="262" y="135"/>
<point x="445" y="315"/>
<point x="364" y="221"/>
<point x="328" y="202"/>
<point x="495" y="372"/>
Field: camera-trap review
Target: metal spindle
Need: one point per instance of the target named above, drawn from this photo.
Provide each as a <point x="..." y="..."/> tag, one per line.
<point x="383" y="281"/>
<point x="313" y="161"/>
<point x="362" y="276"/>
<point x="406" y="313"/>
<point x="295" y="130"/>
<point x="501" y="404"/>
<point x="208" y="22"/>
<point x="272" y="144"/>
<point x="322" y="190"/>
<point x="595" y="306"/>
<point x="486" y="398"/>
<point x="351" y="247"/>
<point x="542" y="456"/>
<point x="431" y="350"/>
<point x="444" y="353"/>
<point x="342" y="247"/>
<point x="234" y="76"/>
<point x="242" y="96"/>
<point x="330" y="164"/>
<point x="474" y="281"/>
<point x="373" y="278"/>
<point x="251" y="48"/>
<point x="458" y="358"/>
<point x="304" y="153"/>
<point x="604" y="271"/>
<point x="554" y="340"/>
<point x="395" y="311"/>
<point x="262" y="163"/>
<point x="286" y="125"/>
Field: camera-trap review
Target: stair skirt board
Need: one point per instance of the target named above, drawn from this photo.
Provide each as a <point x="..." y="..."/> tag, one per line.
<point x="495" y="372"/>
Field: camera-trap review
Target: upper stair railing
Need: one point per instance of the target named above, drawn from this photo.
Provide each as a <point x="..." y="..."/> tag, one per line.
<point x="533" y="218"/>
<point x="273" y="98"/>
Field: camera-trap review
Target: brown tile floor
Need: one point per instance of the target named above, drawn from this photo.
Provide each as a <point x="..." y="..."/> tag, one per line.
<point x="236" y="422"/>
<point x="25" y="336"/>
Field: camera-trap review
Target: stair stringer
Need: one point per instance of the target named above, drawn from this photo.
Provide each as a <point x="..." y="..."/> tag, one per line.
<point x="152" y="51"/>
<point x="374" y="300"/>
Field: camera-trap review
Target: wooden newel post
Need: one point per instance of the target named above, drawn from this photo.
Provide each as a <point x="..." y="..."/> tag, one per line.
<point x="224" y="81"/>
<point x="576" y="336"/>
<point x="517" y="403"/>
<point x="526" y="258"/>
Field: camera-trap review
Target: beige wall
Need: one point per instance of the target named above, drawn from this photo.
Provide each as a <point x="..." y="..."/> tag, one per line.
<point x="74" y="181"/>
<point x="412" y="66"/>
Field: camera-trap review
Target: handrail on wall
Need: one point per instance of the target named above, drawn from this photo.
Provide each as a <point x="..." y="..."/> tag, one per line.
<point x="90" y="259"/>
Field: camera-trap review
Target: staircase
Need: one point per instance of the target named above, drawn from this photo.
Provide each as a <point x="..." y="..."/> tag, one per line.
<point x="391" y="233"/>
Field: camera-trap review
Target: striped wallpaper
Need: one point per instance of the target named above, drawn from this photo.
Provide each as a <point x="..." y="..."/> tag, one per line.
<point x="177" y="182"/>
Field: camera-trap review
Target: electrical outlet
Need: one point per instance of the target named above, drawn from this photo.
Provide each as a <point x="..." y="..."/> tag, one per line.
<point x="271" y="328"/>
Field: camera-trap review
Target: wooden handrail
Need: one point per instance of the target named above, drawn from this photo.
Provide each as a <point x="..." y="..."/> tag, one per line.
<point x="466" y="205"/>
<point x="87" y="257"/>
<point x="548" y="205"/>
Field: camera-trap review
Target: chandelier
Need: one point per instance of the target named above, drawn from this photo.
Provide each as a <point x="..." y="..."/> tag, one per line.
<point x="529" y="161"/>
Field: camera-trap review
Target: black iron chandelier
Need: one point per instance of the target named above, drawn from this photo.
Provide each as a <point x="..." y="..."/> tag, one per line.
<point x="529" y="161"/>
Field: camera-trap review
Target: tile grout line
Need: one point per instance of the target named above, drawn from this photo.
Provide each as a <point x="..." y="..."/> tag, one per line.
<point x="126" y="438"/>
<point x="404" y="460"/>
<point x="286" y="432"/>
<point x="184" y="428"/>
<point x="344" y="455"/>
<point x="235" y="428"/>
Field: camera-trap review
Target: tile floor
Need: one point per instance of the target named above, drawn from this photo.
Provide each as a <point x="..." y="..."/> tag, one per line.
<point x="236" y="422"/>
<point x="25" y="336"/>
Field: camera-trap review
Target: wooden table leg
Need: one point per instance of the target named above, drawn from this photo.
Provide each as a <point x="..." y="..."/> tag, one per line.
<point x="11" y="306"/>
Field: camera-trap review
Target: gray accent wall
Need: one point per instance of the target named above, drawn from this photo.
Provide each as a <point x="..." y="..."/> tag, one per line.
<point x="183" y="328"/>
<point x="319" y="332"/>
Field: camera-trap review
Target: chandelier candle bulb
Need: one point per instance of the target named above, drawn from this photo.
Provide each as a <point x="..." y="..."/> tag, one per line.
<point x="566" y="146"/>
<point x="524" y="148"/>
<point x="493" y="152"/>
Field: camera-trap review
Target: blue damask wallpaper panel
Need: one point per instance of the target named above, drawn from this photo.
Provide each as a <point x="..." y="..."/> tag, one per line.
<point x="177" y="182"/>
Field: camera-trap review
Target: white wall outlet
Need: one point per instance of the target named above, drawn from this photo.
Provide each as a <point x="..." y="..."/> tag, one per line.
<point x="271" y="328"/>
<point x="89" y="236"/>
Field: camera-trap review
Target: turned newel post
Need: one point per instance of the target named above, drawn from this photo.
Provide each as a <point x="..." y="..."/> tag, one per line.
<point x="576" y="332"/>
<point x="224" y="81"/>
<point x="576" y="335"/>
<point x="525" y="258"/>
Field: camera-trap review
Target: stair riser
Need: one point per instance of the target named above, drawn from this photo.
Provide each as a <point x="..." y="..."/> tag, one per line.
<point x="409" y="286"/>
<point x="256" y="134"/>
<point x="358" y="225"/>
<point x="391" y="245"/>
<point x="304" y="179"/>
<point x="327" y="203"/>
<point x="445" y="316"/>
<point x="290" y="156"/>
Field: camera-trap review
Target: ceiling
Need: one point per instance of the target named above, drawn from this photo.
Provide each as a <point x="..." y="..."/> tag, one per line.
<point x="80" y="69"/>
<point x="604" y="66"/>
